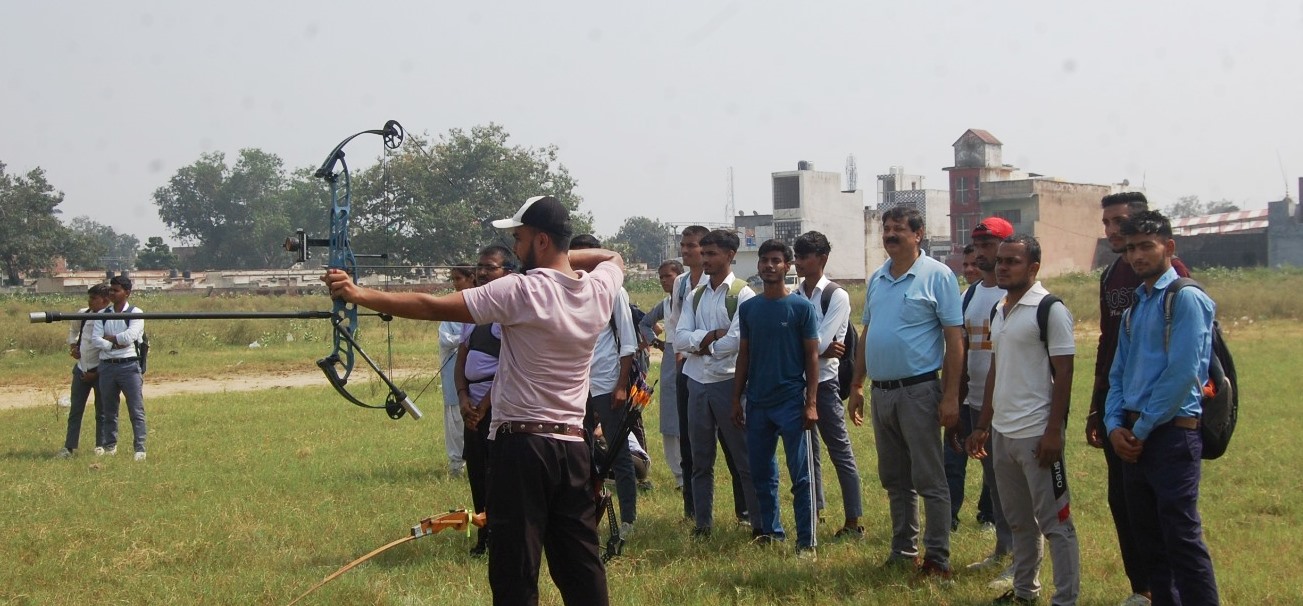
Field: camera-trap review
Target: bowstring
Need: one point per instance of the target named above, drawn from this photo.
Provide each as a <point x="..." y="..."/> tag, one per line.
<point x="390" y="196"/>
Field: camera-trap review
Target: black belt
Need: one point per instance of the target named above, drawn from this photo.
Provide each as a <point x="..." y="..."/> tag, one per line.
<point x="1181" y="422"/>
<point x="538" y="427"/>
<point x="905" y="382"/>
<point x="120" y="360"/>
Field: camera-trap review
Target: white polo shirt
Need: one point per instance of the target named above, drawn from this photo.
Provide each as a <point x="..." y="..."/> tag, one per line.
<point x="1022" y="366"/>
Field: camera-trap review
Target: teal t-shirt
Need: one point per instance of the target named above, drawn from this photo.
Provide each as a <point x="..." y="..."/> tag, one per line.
<point x="776" y="331"/>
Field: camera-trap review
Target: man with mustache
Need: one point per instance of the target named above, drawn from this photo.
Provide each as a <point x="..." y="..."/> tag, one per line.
<point x="914" y="329"/>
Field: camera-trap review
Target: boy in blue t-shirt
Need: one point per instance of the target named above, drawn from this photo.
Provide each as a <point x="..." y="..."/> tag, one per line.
<point x="778" y="371"/>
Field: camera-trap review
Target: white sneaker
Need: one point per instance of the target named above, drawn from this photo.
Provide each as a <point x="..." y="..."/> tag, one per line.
<point x="63" y="453"/>
<point x="140" y="456"/>
<point x="626" y="530"/>
<point x="990" y="562"/>
<point x="99" y="451"/>
<point x="986" y="527"/>
<point x="111" y="451"/>
<point x="1135" y="600"/>
<point x="1004" y="582"/>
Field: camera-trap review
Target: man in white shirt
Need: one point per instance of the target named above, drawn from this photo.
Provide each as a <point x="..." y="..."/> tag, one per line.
<point x="707" y="333"/>
<point x="120" y="374"/>
<point x="608" y="391"/>
<point x="1028" y="389"/>
<point x="812" y="250"/>
<point x="85" y="373"/>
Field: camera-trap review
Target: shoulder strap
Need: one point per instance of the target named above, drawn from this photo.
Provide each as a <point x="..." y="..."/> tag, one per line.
<point x="826" y="297"/>
<point x="968" y="296"/>
<point x="1169" y="300"/>
<point x="1108" y="271"/>
<point x="696" y="296"/>
<point x="730" y="301"/>
<point x="1043" y="317"/>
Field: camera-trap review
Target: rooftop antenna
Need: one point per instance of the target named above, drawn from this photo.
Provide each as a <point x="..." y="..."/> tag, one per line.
<point x="1283" y="175"/>
<point x="852" y="173"/>
<point x="730" y="208"/>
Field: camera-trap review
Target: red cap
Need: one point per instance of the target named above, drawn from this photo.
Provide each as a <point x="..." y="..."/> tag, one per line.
<point x="993" y="227"/>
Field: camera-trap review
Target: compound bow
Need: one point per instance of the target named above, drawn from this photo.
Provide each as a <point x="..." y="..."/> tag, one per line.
<point x="343" y="316"/>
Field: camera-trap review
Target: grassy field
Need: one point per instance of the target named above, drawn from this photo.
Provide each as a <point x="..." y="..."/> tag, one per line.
<point x="252" y="498"/>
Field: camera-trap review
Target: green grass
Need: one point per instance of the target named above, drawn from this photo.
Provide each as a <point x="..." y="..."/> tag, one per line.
<point x="252" y="498"/>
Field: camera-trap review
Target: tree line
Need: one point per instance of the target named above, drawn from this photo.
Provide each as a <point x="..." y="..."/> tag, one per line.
<point x="428" y="203"/>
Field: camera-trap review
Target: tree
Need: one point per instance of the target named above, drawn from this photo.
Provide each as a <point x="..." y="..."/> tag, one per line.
<point x="31" y="235"/>
<point x="433" y="200"/>
<point x="156" y="255"/>
<point x="238" y="215"/>
<point x="646" y="239"/>
<point x="1190" y="206"/>
<point x="95" y="245"/>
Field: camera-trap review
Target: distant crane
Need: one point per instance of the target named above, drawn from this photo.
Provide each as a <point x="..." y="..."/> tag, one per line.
<point x="852" y="173"/>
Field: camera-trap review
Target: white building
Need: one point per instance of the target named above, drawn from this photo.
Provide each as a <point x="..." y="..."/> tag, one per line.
<point x="810" y="200"/>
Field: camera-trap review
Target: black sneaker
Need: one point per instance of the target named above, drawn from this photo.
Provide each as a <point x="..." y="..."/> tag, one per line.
<point x="1010" y="597"/>
<point x="701" y="532"/>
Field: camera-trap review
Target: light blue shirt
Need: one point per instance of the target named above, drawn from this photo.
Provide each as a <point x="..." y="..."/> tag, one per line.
<point x="907" y="340"/>
<point x="1161" y="382"/>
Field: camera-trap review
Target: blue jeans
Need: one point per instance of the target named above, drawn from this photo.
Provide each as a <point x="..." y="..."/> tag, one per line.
<point x="957" y="472"/>
<point x="117" y="381"/>
<point x="764" y="426"/>
<point x="82" y="391"/>
<point x="832" y="428"/>
<point x="1163" y="506"/>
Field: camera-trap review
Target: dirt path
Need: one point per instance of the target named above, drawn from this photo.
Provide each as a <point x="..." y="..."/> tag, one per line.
<point x="27" y="396"/>
<point x="24" y="396"/>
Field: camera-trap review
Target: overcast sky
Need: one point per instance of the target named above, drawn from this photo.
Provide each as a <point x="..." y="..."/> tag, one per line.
<point x="651" y="103"/>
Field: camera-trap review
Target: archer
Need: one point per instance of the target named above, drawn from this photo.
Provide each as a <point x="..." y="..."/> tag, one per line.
<point x="539" y="492"/>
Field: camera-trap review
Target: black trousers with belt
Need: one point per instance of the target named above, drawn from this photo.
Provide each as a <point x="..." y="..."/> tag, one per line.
<point x="541" y="501"/>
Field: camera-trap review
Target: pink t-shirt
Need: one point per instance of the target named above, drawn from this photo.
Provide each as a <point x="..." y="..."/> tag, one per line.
<point x="550" y="323"/>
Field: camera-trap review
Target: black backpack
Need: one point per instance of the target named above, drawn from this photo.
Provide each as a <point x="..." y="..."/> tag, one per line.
<point x="846" y="366"/>
<point x="641" y="359"/>
<point x="142" y="346"/>
<point x="1221" y="394"/>
<point x="1042" y="320"/>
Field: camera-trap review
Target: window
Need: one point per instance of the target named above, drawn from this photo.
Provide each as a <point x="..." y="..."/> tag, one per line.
<point x="787" y="193"/>
<point x="1013" y="216"/>
<point x="787" y="231"/>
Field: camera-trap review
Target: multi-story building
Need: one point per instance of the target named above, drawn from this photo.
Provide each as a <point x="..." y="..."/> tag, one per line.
<point x="805" y="200"/>
<point x="1063" y="216"/>
<point x="977" y="160"/>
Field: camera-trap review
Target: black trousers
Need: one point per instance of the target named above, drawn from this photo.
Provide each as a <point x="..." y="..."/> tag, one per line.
<point x="1134" y="562"/>
<point x="541" y="501"/>
<point x="475" y="452"/>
